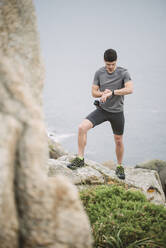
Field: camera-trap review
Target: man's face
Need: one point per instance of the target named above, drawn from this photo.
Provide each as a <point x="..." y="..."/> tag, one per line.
<point x="110" y="66"/>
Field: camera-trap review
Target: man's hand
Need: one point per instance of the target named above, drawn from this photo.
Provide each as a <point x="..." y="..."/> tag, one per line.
<point x="107" y="93"/>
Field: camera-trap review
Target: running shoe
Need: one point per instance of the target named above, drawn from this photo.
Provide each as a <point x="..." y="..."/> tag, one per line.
<point x="120" y="172"/>
<point x="76" y="163"/>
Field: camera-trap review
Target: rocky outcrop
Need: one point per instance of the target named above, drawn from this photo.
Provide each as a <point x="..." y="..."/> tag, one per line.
<point x="55" y="149"/>
<point x="94" y="174"/>
<point x="159" y="166"/>
<point x="35" y="211"/>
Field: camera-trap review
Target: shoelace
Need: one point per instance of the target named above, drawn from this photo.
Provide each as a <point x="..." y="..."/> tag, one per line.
<point x="121" y="169"/>
<point x="76" y="161"/>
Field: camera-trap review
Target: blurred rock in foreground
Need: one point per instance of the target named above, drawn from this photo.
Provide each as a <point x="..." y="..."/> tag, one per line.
<point x="35" y="211"/>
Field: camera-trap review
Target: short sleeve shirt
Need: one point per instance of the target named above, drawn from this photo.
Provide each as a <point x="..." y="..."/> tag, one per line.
<point x="112" y="81"/>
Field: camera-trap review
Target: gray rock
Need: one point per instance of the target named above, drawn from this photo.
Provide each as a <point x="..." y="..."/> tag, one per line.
<point x="72" y="225"/>
<point x="146" y="181"/>
<point x="55" y="149"/>
<point x="154" y="164"/>
<point x="9" y="225"/>
<point x="159" y="166"/>
<point x="162" y="175"/>
<point x="35" y="211"/>
<point x="85" y="175"/>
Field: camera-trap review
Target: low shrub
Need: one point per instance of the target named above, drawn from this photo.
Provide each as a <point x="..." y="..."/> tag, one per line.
<point x="123" y="218"/>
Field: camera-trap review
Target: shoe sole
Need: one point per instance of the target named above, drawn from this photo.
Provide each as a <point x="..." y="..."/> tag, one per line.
<point x="72" y="168"/>
<point x="75" y="167"/>
<point x="120" y="177"/>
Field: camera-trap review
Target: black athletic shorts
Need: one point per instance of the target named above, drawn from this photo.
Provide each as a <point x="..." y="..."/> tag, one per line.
<point x="116" y="120"/>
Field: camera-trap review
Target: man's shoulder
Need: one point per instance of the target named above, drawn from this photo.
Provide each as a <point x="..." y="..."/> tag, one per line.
<point x="124" y="74"/>
<point x="101" y="70"/>
<point x="121" y="69"/>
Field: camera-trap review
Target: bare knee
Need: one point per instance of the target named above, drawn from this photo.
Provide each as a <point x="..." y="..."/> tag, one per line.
<point x="118" y="140"/>
<point x="85" y="126"/>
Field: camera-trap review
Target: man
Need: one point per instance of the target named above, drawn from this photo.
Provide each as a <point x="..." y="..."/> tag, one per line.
<point x="110" y="84"/>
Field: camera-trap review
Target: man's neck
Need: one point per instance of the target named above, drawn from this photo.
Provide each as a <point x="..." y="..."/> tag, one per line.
<point x="110" y="72"/>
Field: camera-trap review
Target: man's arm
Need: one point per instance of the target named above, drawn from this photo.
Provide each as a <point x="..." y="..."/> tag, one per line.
<point x="96" y="92"/>
<point x="128" y="89"/>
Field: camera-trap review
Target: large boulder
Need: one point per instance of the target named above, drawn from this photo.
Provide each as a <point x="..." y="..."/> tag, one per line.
<point x="159" y="166"/>
<point x="9" y="224"/>
<point x="93" y="173"/>
<point x="35" y="211"/>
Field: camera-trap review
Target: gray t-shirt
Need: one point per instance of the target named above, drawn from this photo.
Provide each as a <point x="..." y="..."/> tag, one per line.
<point x="112" y="81"/>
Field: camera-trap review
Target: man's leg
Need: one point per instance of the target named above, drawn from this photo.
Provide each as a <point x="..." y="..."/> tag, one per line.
<point x="82" y="137"/>
<point x="93" y="119"/>
<point x="117" y="121"/>
<point x="84" y="127"/>
<point x="119" y="148"/>
<point x="119" y="154"/>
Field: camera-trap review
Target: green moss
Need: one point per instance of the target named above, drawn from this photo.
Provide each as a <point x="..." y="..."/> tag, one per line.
<point x="124" y="218"/>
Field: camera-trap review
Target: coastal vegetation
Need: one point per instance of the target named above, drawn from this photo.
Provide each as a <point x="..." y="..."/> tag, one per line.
<point x="124" y="218"/>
